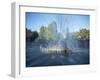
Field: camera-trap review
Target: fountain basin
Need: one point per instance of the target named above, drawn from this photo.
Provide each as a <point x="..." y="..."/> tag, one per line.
<point x="59" y="50"/>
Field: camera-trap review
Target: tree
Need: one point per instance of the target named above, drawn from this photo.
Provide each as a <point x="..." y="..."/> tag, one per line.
<point x="31" y="35"/>
<point x="49" y="32"/>
<point x="43" y="31"/>
<point x="52" y="31"/>
<point x="83" y="34"/>
<point x="28" y="34"/>
<point x="34" y="35"/>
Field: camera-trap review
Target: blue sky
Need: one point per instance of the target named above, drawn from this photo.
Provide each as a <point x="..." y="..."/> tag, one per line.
<point x="73" y="21"/>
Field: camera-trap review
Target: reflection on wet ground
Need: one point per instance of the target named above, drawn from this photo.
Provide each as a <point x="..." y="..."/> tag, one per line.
<point x="35" y="58"/>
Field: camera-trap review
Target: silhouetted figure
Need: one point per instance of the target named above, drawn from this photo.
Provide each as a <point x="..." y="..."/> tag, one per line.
<point x="65" y="50"/>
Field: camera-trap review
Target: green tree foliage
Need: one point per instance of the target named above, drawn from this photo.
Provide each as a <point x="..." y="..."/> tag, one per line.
<point x="43" y="31"/>
<point x="52" y="31"/>
<point x="49" y="32"/>
<point x="83" y="34"/>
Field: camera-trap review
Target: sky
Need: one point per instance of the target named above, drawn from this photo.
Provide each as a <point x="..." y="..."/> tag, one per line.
<point x="74" y="22"/>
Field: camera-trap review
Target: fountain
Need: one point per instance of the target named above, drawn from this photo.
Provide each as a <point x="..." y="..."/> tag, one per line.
<point x="66" y="44"/>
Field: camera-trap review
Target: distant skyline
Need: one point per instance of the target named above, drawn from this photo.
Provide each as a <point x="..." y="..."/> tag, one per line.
<point x="73" y="21"/>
